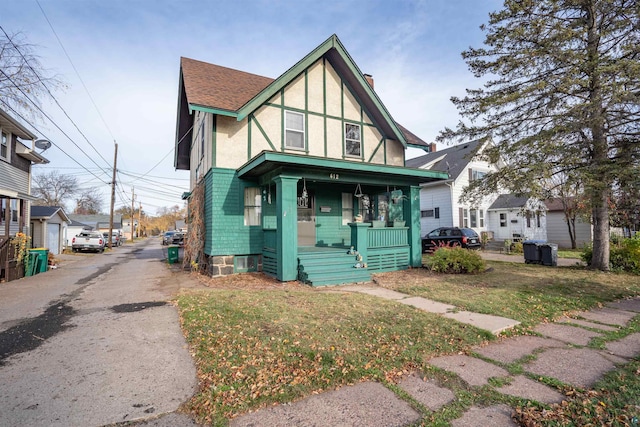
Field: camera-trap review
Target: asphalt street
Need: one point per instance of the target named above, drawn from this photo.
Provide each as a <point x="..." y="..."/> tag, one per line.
<point x="95" y="342"/>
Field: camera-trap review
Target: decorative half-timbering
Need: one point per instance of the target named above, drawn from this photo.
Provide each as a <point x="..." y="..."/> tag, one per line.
<point x="298" y="169"/>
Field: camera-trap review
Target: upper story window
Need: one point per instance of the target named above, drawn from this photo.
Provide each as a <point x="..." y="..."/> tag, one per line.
<point x="4" y="146"/>
<point x="352" y="140"/>
<point x="294" y="130"/>
<point x="476" y="174"/>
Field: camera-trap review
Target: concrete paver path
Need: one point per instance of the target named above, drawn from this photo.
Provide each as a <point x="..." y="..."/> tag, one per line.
<point x="558" y="356"/>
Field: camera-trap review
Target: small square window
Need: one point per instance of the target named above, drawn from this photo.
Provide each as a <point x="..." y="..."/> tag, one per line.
<point x="245" y="264"/>
<point x="427" y="214"/>
<point x="352" y="140"/>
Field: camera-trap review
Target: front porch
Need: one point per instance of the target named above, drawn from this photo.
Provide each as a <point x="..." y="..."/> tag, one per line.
<point x="381" y="249"/>
<point x="314" y="210"/>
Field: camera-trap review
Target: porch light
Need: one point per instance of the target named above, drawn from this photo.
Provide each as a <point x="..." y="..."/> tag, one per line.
<point x="358" y="192"/>
<point x="305" y="195"/>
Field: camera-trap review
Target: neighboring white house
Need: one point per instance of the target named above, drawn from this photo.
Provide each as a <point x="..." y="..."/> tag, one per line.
<point x="48" y="225"/>
<point x="517" y="218"/>
<point x="503" y="216"/>
<point x="439" y="201"/>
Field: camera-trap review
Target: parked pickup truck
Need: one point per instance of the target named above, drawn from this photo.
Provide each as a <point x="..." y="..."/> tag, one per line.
<point x="88" y="241"/>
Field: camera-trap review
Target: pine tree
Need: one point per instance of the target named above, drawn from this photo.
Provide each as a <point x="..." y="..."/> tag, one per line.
<point x="561" y="95"/>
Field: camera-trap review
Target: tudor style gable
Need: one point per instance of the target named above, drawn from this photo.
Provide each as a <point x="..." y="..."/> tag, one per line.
<point x="323" y="107"/>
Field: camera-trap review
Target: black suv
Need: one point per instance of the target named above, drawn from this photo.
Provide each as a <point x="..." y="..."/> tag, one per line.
<point x="450" y="236"/>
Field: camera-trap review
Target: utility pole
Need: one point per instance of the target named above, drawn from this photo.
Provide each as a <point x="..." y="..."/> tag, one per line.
<point x="133" y="199"/>
<point x="113" y="194"/>
<point x="139" y="218"/>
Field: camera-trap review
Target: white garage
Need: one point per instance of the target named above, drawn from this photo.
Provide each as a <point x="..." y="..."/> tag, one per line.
<point x="47" y="227"/>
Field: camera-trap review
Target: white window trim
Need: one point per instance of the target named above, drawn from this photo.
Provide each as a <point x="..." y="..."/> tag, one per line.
<point x="287" y="129"/>
<point x="358" y="156"/>
<point x="252" y="210"/>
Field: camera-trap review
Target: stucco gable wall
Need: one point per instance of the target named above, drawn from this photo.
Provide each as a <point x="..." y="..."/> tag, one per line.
<point x="327" y="104"/>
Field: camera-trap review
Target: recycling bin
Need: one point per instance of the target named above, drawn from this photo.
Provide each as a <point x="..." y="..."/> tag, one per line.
<point x="531" y="249"/>
<point x="173" y="254"/>
<point x="31" y="269"/>
<point x="42" y="260"/>
<point x="549" y="254"/>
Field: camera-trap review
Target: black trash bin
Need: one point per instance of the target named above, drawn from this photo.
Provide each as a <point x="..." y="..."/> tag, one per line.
<point x="549" y="254"/>
<point x="531" y="249"/>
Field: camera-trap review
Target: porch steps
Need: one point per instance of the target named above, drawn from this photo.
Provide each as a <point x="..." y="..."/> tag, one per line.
<point x="330" y="267"/>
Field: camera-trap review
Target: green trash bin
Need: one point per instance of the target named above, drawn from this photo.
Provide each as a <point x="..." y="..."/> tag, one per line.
<point x="31" y="269"/>
<point x="43" y="259"/>
<point x="173" y="254"/>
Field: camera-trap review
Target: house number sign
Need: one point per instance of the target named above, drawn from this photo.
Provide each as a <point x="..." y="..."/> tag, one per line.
<point x="334" y="176"/>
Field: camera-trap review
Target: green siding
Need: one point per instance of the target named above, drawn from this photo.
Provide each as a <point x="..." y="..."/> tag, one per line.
<point x="226" y="233"/>
<point x="329" y="228"/>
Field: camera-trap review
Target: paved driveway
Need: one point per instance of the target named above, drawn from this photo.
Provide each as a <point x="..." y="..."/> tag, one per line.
<point x="94" y="342"/>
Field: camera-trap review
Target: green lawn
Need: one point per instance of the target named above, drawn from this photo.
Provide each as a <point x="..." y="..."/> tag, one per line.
<point x="255" y="348"/>
<point x="258" y="345"/>
<point x="528" y="293"/>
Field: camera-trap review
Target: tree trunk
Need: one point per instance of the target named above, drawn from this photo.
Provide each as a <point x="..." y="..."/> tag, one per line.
<point x="600" y="177"/>
<point x="571" y="223"/>
<point x="600" y="258"/>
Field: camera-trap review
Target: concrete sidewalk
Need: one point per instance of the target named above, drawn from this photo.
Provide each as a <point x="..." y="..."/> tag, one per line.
<point x="557" y="353"/>
<point x="493" y="324"/>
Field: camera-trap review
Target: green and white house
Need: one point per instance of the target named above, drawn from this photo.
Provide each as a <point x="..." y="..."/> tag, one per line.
<point x="300" y="169"/>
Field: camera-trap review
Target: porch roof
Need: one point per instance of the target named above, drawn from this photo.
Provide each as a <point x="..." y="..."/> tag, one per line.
<point x="272" y="163"/>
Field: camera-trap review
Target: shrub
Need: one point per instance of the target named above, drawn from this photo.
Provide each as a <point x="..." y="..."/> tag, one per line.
<point x="455" y="260"/>
<point x="624" y="254"/>
<point x="517" y="248"/>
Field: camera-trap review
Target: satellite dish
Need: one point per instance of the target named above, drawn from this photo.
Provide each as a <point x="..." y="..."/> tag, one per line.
<point x="43" y="144"/>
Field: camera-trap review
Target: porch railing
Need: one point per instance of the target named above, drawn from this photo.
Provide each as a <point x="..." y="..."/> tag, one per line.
<point x="386" y="237"/>
<point x="10" y="268"/>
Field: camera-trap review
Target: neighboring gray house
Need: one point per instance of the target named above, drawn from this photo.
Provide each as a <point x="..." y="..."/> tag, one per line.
<point x="48" y="228"/>
<point x="439" y="201"/>
<point x="17" y="155"/>
<point x="557" y="229"/>
<point x="518" y="218"/>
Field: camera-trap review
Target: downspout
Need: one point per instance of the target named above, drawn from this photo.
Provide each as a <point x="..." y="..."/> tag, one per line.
<point x="450" y="184"/>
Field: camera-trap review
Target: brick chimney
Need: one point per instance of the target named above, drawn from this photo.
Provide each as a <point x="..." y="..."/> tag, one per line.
<point x="432" y="147"/>
<point x="369" y="79"/>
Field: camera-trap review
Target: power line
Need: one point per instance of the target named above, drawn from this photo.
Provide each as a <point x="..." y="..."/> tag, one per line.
<point x="53" y="143"/>
<point x="165" y="156"/>
<point x="51" y="94"/>
<point x="47" y="116"/>
<point x="75" y="69"/>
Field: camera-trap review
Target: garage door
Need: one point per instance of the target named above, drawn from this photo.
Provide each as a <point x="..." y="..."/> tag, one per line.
<point x="53" y="238"/>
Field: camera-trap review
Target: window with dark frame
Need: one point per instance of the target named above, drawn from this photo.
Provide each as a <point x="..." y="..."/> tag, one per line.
<point x="352" y="140"/>
<point x="4" y="146"/>
<point x="503" y="220"/>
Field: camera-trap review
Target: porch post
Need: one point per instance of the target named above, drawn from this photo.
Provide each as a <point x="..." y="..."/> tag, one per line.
<point x="360" y="238"/>
<point x="412" y="207"/>
<point x="287" y="227"/>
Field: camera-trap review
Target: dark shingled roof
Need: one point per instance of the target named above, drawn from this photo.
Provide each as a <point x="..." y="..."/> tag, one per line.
<point x="44" y="211"/>
<point x="219" y="87"/>
<point x="509" y="201"/>
<point x="455" y="159"/>
<point x="411" y="138"/>
<point x="214" y="86"/>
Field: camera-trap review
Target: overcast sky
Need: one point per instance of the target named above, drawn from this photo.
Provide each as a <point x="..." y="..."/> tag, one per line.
<point x="127" y="54"/>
